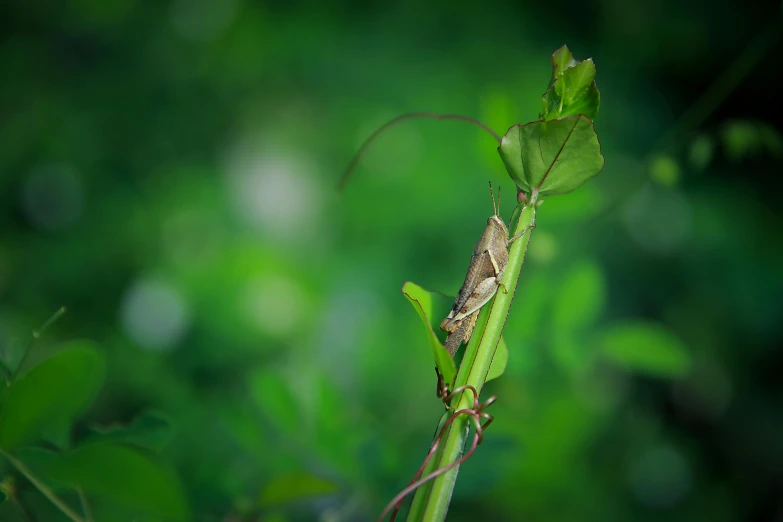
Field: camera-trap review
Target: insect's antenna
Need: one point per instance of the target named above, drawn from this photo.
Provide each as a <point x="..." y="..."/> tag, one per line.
<point x="408" y="116"/>
<point x="492" y="194"/>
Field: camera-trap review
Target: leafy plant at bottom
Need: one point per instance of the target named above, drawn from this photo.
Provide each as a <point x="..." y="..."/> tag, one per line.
<point x="113" y="468"/>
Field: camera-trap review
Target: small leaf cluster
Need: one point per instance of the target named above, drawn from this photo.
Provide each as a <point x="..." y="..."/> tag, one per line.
<point x="559" y="152"/>
<point x="116" y="468"/>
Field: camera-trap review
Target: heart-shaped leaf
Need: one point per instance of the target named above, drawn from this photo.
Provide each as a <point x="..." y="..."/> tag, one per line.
<point x="554" y="157"/>
<point x="422" y="303"/>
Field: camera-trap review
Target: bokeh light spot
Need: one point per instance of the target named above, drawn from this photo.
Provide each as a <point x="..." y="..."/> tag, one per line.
<point x="275" y="303"/>
<point x="154" y="314"/>
<point x="665" y="170"/>
<point x="275" y="194"/>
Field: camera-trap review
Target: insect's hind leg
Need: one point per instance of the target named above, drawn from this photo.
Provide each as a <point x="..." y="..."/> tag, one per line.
<point x="517" y="236"/>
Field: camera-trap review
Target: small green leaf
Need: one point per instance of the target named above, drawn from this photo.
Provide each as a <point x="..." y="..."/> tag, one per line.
<point x="51" y="394"/>
<point x="578" y="78"/>
<point x="580" y="299"/>
<point x="150" y="430"/>
<point x="572" y="353"/>
<point x="127" y="476"/>
<point x="41" y="462"/>
<point x="572" y="90"/>
<point x="333" y="441"/>
<point x="578" y="304"/>
<point x="562" y="59"/>
<point x="422" y="302"/>
<point x="273" y="396"/>
<point x="554" y="157"/>
<point x="59" y="434"/>
<point x="293" y="487"/>
<point x="645" y="348"/>
<point x="499" y="361"/>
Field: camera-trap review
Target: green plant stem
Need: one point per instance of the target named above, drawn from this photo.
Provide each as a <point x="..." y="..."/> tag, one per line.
<point x="36" y="335"/>
<point x="43" y="488"/>
<point x="431" y="501"/>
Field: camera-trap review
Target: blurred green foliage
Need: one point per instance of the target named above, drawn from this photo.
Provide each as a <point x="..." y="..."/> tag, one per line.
<point x="167" y="173"/>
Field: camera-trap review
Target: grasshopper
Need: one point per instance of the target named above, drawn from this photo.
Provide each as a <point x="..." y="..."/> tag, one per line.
<point x="487" y="265"/>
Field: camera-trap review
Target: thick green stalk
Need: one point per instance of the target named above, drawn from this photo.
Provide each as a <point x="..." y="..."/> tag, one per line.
<point x="431" y="501"/>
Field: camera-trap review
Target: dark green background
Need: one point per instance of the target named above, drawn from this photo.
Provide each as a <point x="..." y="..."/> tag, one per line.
<point x="167" y="172"/>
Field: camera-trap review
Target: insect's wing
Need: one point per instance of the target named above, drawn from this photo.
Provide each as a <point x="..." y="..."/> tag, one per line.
<point x="479" y="287"/>
<point x="463" y="330"/>
<point x="464" y="293"/>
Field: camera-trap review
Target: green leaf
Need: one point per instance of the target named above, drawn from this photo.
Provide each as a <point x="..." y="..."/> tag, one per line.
<point x="580" y="299"/>
<point x="298" y="486"/>
<point x="51" y="394"/>
<point x="149" y="430"/>
<point x="499" y="361"/>
<point x="572" y="90"/>
<point x="572" y="353"/>
<point x="124" y="475"/>
<point x="273" y="396"/>
<point x="422" y="302"/>
<point x="58" y="435"/>
<point x="554" y="157"/>
<point x="41" y="462"/>
<point x="577" y="305"/>
<point x="645" y="348"/>
<point x="577" y="79"/>
<point x="336" y="444"/>
<point x="562" y="59"/>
